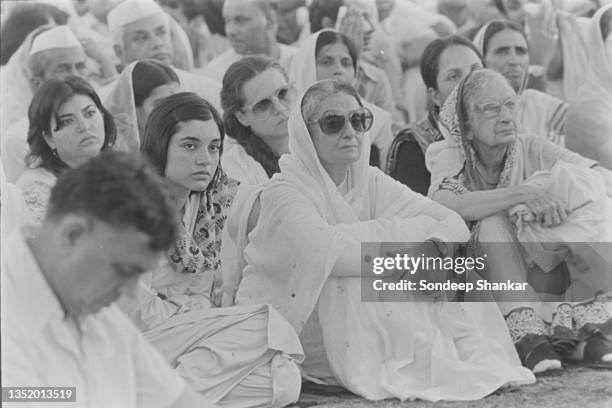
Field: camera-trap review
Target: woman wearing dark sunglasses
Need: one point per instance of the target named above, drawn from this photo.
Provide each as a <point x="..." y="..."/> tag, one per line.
<point x="328" y="54"/>
<point x="256" y="98"/>
<point x="304" y="258"/>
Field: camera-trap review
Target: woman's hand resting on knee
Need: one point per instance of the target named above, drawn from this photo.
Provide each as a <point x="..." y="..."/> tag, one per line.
<point x="547" y="209"/>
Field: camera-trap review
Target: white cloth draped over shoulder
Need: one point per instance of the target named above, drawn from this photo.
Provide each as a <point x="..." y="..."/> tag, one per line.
<point x="572" y="34"/>
<point x="238" y="165"/>
<point x="304" y="74"/>
<point x="15" y="85"/>
<point x="121" y="104"/>
<point x="15" y="148"/>
<point x="304" y="258"/>
<point x="539" y="113"/>
<point x="13" y="212"/>
<point x="589" y="121"/>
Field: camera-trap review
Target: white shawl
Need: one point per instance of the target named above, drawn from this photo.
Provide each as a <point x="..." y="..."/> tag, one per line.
<point x="589" y="123"/>
<point x="304" y="258"/>
<point x="15" y="85"/>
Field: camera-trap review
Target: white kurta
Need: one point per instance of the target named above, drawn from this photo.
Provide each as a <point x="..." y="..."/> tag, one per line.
<point x="102" y="355"/>
<point x="238" y="165"/>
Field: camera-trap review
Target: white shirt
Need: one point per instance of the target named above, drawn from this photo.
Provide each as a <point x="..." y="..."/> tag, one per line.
<point x="238" y="165"/>
<point x="103" y="355"/>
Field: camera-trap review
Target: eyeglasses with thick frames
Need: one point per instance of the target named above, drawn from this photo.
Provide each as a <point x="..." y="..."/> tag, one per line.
<point x="331" y="122"/>
<point x="264" y="107"/>
<point x="493" y="109"/>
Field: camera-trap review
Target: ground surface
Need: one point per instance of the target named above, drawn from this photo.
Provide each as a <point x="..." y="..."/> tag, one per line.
<point x="574" y="387"/>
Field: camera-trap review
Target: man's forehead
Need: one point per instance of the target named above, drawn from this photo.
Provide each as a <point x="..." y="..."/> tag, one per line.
<point x="147" y="23"/>
<point x="63" y="55"/>
<point x="240" y="7"/>
<point x="367" y="7"/>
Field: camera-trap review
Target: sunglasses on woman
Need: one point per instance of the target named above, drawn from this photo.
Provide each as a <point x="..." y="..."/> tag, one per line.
<point x="283" y="96"/>
<point x="331" y="123"/>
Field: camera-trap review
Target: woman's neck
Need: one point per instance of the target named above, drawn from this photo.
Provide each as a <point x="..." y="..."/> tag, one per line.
<point x="491" y="157"/>
<point x="278" y="145"/>
<point x="337" y="172"/>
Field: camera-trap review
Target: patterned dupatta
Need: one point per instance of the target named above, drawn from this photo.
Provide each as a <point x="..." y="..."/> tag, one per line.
<point x="198" y="249"/>
<point x="452" y="120"/>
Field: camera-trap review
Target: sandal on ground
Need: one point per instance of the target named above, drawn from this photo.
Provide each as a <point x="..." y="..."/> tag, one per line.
<point x="598" y="351"/>
<point x="537" y="354"/>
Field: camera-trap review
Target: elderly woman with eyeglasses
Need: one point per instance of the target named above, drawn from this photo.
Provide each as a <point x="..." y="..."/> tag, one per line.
<point x="304" y="257"/>
<point x="492" y="175"/>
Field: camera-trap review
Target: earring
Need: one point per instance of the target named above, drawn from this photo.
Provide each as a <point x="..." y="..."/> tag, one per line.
<point x="54" y="151"/>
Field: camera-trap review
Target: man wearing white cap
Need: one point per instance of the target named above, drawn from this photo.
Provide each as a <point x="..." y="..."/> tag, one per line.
<point x="250" y="26"/>
<point x="141" y="30"/>
<point x="54" y="53"/>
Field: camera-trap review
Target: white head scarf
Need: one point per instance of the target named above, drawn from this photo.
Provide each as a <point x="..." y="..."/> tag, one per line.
<point x="479" y="42"/>
<point x="304" y="74"/>
<point x="303" y="160"/>
<point x="120" y="102"/>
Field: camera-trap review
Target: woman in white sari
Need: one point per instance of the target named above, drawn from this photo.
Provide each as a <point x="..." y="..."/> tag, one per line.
<point x="329" y="54"/>
<point x="589" y="124"/>
<point x="304" y="258"/>
<point x="244" y="356"/>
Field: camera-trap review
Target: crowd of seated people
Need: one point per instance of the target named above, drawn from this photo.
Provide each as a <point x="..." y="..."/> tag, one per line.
<point x="187" y="188"/>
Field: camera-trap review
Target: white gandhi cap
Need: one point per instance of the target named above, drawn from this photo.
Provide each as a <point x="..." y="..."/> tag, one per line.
<point x="57" y="37"/>
<point x="129" y="11"/>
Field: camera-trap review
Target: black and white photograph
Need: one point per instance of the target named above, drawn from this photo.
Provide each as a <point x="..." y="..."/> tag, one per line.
<point x="306" y="203"/>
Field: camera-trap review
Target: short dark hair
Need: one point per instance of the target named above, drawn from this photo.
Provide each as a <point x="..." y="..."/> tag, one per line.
<point x="323" y="8"/>
<point x="44" y="106"/>
<point x="164" y="122"/>
<point x="495" y="27"/>
<point x="430" y="59"/>
<point x="232" y="101"/>
<point x="334" y="37"/>
<point x="122" y="190"/>
<point x="148" y="75"/>
<point x="22" y="20"/>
